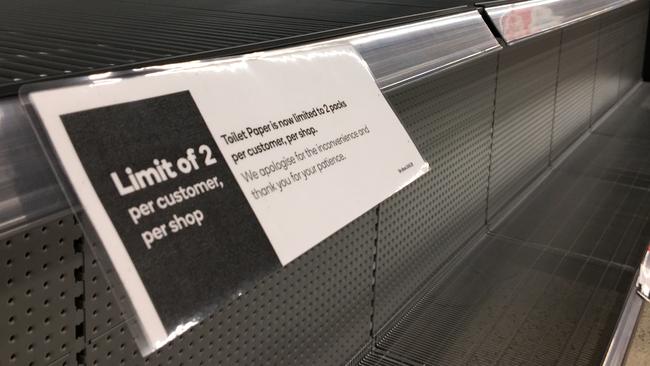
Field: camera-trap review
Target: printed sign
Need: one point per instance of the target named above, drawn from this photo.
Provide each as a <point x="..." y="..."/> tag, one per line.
<point x="202" y="178"/>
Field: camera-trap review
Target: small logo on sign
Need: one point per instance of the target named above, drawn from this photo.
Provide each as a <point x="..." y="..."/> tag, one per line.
<point x="405" y="167"/>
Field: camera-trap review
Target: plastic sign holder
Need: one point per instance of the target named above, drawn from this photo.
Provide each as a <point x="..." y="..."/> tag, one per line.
<point x="200" y="178"/>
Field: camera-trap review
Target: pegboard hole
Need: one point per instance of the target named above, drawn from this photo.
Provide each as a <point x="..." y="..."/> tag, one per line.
<point x="10" y="301"/>
<point x="8" y="243"/>
<point x="26" y="236"/>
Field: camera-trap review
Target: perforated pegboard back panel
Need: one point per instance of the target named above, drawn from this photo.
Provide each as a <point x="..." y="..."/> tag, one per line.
<point x="102" y="307"/>
<point x="449" y="117"/>
<point x="608" y="69"/>
<point x="575" y="84"/>
<point x="39" y="295"/>
<point x="318" y="310"/>
<point x="69" y="360"/>
<point x="640" y="42"/>
<point x="315" y="311"/>
<point x="633" y="47"/>
<point x="547" y="285"/>
<point x="523" y="117"/>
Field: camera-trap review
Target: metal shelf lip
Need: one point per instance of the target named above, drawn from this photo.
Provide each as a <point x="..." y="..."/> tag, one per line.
<point x="519" y="21"/>
<point x="395" y="55"/>
<point x="130" y="35"/>
<point x="402" y="54"/>
<point x="624" y="332"/>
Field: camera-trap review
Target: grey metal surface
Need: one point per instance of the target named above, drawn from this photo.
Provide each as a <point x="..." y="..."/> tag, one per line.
<point x="522" y="20"/>
<point x="378" y="359"/>
<point x="69" y="360"/>
<point x="41" y="40"/>
<point x="576" y="76"/>
<point x="523" y="117"/>
<point x="513" y="303"/>
<point x="28" y="189"/>
<point x="102" y="307"/>
<point x="449" y="117"/>
<point x="495" y="307"/>
<point x="637" y="353"/>
<point x="643" y="281"/>
<point x="396" y="55"/>
<point x="622" y="337"/>
<point x="618" y="152"/>
<point x="612" y="165"/>
<point x="40" y="293"/>
<point x="611" y="43"/>
<point x="315" y="311"/>
<point x="607" y="81"/>
<point x="633" y="48"/>
<point x="402" y="54"/>
<point x="618" y="161"/>
<point x="305" y="325"/>
<point x="547" y="286"/>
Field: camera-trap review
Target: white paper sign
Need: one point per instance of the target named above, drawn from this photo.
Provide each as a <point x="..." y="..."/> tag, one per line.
<point x="307" y="135"/>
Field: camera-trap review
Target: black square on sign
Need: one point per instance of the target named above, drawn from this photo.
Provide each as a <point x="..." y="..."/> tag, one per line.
<point x="187" y="269"/>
